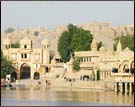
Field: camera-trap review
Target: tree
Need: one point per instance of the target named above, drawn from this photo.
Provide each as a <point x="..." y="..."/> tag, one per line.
<point x="126" y="41"/>
<point x="15" y="45"/>
<point x="6" y="66"/>
<point x="81" y="40"/>
<point x="63" y="46"/>
<point x="9" y="30"/>
<point x="36" y="33"/>
<point x="76" y="64"/>
<point x="74" y="39"/>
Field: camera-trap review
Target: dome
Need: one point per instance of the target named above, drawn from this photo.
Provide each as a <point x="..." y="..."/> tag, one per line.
<point x="45" y="42"/>
<point x="126" y="53"/>
<point x="25" y="40"/>
<point x="102" y="48"/>
<point x="53" y="61"/>
<point x="7" y="41"/>
<point x="94" y="45"/>
<point x="57" y="56"/>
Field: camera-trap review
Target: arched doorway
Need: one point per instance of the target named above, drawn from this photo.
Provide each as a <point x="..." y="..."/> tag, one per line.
<point x="13" y="76"/>
<point x="25" y="71"/>
<point x="36" y="75"/>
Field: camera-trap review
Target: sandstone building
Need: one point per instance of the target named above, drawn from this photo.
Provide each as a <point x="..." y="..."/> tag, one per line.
<point x="38" y="60"/>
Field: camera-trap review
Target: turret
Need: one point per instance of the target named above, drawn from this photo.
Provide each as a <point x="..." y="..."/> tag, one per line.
<point x="46" y="53"/>
<point x="119" y="47"/>
<point x="7" y="43"/>
<point x="94" y="46"/>
<point x="45" y="44"/>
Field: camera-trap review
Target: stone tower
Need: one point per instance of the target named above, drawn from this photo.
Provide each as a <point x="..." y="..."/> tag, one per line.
<point x="26" y="43"/>
<point x="6" y="46"/>
<point x="119" y="47"/>
<point x="45" y="47"/>
<point x="26" y="48"/>
<point x="94" y="45"/>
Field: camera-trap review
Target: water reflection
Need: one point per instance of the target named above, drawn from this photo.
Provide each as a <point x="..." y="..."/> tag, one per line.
<point x="70" y="95"/>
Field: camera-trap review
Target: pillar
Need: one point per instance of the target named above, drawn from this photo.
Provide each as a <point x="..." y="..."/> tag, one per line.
<point x="18" y="75"/>
<point x="130" y="85"/>
<point x="88" y="59"/>
<point x="126" y="87"/>
<point x="103" y="75"/>
<point x="121" y="88"/>
<point x="83" y="59"/>
<point x="115" y="86"/>
<point x="133" y="87"/>
<point x="31" y="73"/>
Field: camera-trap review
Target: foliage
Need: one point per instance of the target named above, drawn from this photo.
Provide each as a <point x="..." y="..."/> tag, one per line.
<point x="9" y="30"/>
<point x="36" y="33"/>
<point x="6" y="66"/>
<point x="74" y="39"/>
<point x="126" y="41"/>
<point x="63" y="46"/>
<point x="15" y="45"/>
<point x="98" y="75"/>
<point x="100" y="44"/>
<point x="76" y="64"/>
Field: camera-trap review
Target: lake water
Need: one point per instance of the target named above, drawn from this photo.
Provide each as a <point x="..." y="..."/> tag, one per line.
<point x="63" y="96"/>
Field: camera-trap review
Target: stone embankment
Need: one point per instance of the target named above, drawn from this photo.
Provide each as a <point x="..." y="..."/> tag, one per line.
<point x="61" y="83"/>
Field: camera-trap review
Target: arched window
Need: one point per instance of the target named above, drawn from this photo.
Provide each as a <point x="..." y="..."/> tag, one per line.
<point x="126" y="68"/>
<point x="22" y="55"/>
<point x="25" y="55"/>
<point x="36" y="75"/>
<point x="25" y="46"/>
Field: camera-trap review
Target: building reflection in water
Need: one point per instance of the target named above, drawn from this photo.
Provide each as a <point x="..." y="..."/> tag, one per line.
<point x="71" y="95"/>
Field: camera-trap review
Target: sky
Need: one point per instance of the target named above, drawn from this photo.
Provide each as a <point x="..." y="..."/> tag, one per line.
<point x="49" y="14"/>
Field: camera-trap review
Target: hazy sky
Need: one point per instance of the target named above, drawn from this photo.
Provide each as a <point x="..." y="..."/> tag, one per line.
<point x="21" y="14"/>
